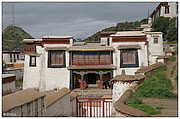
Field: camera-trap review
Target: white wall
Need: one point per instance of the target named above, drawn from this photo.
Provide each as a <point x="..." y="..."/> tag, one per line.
<point x="31" y="76"/>
<point x="8" y="87"/>
<point x="155" y="50"/>
<point x="142" y="56"/>
<point x="43" y="77"/>
<point x="119" y="88"/>
<point x="172" y="10"/>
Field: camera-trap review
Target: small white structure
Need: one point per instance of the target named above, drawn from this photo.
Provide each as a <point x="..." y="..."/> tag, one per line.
<point x="123" y="82"/>
<point x="10" y="57"/>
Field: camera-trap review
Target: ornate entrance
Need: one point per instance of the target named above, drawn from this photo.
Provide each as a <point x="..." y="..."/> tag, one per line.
<point x="81" y="78"/>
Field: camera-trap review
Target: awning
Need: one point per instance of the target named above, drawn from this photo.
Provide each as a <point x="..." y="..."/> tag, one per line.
<point x="92" y="67"/>
<point x="33" y="54"/>
<point x="56" y="48"/>
<point x="129" y="47"/>
<point x="95" y="48"/>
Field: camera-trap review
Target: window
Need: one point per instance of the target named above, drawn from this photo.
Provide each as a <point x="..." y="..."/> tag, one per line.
<point x="92" y="58"/>
<point x="166" y="9"/>
<point x="155" y="40"/>
<point x="108" y="41"/>
<point x="56" y="58"/>
<point x="10" y="57"/>
<point x="129" y="58"/>
<point x="32" y="61"/>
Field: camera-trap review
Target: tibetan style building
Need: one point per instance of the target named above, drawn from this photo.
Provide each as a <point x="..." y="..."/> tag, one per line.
<point x="58" y="61"/>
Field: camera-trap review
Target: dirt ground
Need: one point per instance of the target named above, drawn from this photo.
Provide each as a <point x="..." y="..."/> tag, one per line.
<point x="168" y="107"/>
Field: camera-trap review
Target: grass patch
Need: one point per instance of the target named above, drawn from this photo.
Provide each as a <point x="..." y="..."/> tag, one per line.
<point x="156" y="86"/>
<point x="172" y="58"/>
<point x="137" y="103"/>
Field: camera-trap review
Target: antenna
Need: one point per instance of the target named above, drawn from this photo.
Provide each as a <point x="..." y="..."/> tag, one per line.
<point x="13" y="14"/>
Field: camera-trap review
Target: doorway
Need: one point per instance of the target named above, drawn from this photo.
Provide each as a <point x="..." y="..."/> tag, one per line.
<point x="91" y="78"/>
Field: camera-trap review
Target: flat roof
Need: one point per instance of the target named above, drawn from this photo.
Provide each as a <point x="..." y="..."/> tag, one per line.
<point x="19" y="98"/>
<point x="31" y="40"/>
<point x="91" y="47"/>
<point x="124" y="77"/>
<point x="57" y="36"/>
<point x="7" y="75"/>
<point x="129" y="33"/>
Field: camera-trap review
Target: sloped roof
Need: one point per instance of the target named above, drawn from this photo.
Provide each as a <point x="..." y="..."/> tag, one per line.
<point x="124" y="77"/>
<point x="19" y="98"/>
<point x="149" y="68"/>
<point x="53" y="96"/>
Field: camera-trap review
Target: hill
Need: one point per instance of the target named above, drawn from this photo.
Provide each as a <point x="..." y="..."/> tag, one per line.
<point x="124" y="26"/>
<point x="12" y="38"/>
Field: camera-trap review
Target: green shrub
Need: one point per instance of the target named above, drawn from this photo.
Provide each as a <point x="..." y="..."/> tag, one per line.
<point x="172" y="58"/>
<point x="133" y="100"/>
<point x="157" y="85"/>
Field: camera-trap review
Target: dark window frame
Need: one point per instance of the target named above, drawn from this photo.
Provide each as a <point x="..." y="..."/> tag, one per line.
<point x="166" y="9"/>
<point x="49" y="59"/>
<point x="30" y="61"/>
<point x="129" y="65"/>
<point x="155" y="40"/>
<point x="108" y="42"/>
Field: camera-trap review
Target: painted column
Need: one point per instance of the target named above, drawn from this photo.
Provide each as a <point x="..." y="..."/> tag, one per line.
<point x="83" y="83"/>
<point x="100" y="82"/>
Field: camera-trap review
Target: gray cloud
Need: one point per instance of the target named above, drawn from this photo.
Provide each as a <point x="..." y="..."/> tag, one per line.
<point x="77" y="19"/>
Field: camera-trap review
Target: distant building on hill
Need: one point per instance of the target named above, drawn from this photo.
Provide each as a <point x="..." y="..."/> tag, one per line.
<point x="165" y="9"/>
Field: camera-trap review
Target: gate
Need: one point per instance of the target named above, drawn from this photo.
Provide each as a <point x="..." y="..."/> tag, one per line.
<point x="94" y="107"/>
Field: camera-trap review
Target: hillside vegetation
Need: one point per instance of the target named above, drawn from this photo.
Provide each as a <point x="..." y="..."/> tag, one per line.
<point x="168" y="26"/>
<point x="12" y="38"/>
<point x="124" y="26"/>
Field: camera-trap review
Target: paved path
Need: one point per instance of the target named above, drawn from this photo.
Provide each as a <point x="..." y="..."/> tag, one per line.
<point x="169" y="106"/>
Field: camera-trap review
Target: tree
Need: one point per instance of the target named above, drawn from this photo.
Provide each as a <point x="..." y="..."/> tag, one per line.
<point x="167" y="26"/>
<point x="172" y="33"/>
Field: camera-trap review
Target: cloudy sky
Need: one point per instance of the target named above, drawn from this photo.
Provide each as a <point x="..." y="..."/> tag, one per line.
<point x="77" y="19"/>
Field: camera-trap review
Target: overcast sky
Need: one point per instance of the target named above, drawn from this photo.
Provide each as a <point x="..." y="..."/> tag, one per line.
<point x="77" y="19"/>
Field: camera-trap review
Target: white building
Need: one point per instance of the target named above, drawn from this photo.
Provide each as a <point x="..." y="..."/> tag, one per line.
<point x="57" y="61"/>
<point x="10" y="57"/>
<point x="165" y="9"/>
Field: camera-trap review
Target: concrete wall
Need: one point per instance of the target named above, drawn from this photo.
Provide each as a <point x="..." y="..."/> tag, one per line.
<point x="62" y="107"/>
<point x="8" y="87"/>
